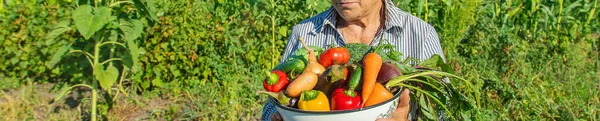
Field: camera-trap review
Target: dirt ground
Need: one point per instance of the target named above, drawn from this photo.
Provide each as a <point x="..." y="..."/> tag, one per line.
<point x="35" y="102"/>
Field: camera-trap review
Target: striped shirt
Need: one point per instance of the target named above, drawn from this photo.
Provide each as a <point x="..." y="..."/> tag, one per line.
<point x="410" y="35"/>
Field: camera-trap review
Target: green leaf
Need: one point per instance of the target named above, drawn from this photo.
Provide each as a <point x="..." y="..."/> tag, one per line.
<point x="145" y="84"/>
<point x="426" y="109"/>
<point x="174" y="70"/>
<point x="57" y="30"/>
<point x="157" y="82"/>
<point x="132" y="58"/>
<point x="431" y="62"/>
<point x="147" y="9"/>
<point x="405" y="69"/>
<point x="466" y="116"/>
<point x="58" y="55"/>
<point x="107" y="77"/>
<point x="88" y="23"/>
<point x="132" y="29"/>
<point x="113" y="36"/>
<point x="127" y="60"/>
<point x="283" y="30"/>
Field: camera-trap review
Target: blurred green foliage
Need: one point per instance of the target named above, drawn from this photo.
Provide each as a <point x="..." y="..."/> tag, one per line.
<point x="532" y="59"/>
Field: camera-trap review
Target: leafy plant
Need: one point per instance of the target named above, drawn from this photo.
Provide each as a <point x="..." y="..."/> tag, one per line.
<point x="105" y="25"/>
<point x="511" y="50"/>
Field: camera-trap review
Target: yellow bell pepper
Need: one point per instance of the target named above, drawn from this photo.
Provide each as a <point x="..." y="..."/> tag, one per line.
<point x="313" y="100"/>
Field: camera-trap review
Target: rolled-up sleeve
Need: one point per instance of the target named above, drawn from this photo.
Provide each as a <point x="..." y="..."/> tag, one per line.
<point x="431" y="45"/>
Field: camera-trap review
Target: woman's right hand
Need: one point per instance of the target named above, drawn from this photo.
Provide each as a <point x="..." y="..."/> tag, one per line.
<point x="276" y="117"/>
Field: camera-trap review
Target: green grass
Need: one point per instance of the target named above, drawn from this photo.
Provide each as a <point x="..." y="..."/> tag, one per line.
<point x="532" y="60"/>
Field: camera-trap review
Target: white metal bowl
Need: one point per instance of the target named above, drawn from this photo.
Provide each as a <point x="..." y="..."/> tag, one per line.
<point x="370" y="113"/>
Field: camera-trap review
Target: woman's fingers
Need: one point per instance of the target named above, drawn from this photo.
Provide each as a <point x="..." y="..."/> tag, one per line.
<point x="276" y="117"/>
<point x="404" y="106"/>
<point x="385" y="119"/>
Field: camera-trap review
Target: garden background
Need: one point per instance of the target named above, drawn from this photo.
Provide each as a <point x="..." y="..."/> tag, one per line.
<point x="204" y="59"/>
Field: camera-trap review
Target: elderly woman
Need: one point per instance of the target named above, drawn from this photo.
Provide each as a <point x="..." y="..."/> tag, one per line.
<point x="368" y="22"/>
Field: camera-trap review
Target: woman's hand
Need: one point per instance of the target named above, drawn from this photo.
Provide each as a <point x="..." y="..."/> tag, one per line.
<point x="401" y="112"/>
<point x="276" y="117"/>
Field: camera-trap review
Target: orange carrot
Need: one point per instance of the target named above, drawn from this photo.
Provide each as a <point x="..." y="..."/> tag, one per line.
<point x="380" y="94"/>
<point x="372" y="64"/>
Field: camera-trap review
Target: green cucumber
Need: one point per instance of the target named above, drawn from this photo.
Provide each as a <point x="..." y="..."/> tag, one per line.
<point x="297" y="61"/>
<point x="292" y="67"/>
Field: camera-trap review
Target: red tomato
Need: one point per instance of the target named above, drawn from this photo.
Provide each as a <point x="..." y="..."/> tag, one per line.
<point x="337" y="55"/>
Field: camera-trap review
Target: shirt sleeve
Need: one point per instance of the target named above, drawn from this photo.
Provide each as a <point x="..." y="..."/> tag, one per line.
<point x="267" y="111"/>
<point x="431" y="45"/>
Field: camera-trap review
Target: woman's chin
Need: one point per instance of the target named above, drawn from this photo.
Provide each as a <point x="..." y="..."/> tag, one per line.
<point x="349" y="15"/>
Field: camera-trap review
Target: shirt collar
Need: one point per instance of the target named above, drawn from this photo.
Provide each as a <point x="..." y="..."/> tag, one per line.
<point x="394" y="17"/>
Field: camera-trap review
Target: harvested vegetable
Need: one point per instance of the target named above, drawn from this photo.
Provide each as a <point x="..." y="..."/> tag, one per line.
<point x="348" y="99"/>
<point x="313" y="100"/>
<point x="313" y="66"/>
<point x="332" y="79"/>
<point x="387" y="72"/>
<point x="342" y="101"/>
<point x="382" y="65"/>
<point x="276" y="81"/>
<point x="337" y="55"/>
<point x="292" y="66"/>
<point x="355" y="79"/>
<point x="372" y="64"/>
<point x="305" y="81"/>
<point x="309" y="78"/>
<point x="379" y="95"/>
<point x="302" y="53"/>
<point x="357" y="51"/>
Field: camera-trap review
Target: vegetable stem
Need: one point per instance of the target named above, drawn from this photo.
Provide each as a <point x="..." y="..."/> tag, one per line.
<point x="304" y="44"/>
<point x="88" y="56"/>
<point x="112" y="59"/>
<point x="272" y="78"/>
<point x="309" y="95"/>
<point x="429" y="95"/>
<point x="112" y="42"/>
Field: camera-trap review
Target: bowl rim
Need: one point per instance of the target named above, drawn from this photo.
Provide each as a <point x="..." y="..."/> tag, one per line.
<point x="278" y="105"/>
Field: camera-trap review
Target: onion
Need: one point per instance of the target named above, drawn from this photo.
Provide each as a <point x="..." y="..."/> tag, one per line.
<point x="313" y="64"/>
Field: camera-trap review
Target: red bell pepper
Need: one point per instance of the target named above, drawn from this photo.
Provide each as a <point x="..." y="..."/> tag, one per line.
<point x="276" y="80"/>
<point x="342" y="101"/>
<point x="347" y="99"/>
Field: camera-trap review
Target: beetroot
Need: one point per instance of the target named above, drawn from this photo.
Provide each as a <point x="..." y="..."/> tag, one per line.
<point x="387" y="72"/>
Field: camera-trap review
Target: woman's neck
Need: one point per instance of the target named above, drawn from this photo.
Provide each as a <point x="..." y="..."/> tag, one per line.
<point x="362" y="30"/>
<point x="372" y="17"/>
